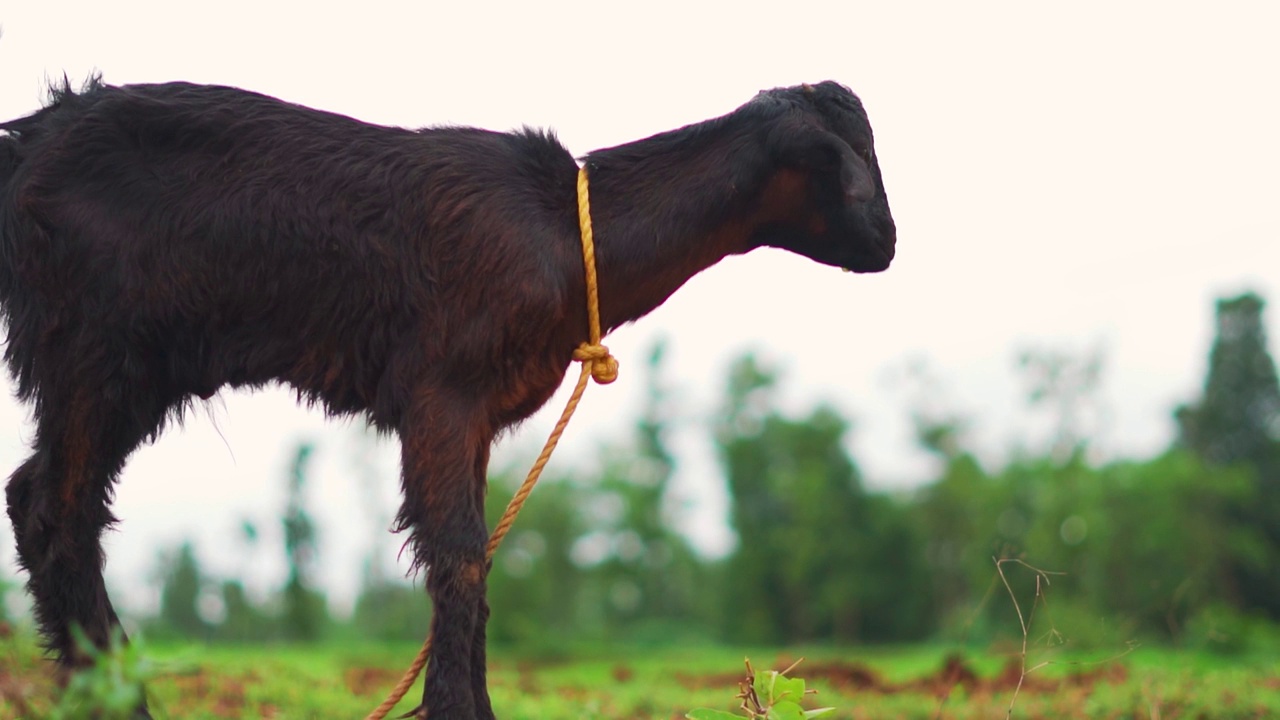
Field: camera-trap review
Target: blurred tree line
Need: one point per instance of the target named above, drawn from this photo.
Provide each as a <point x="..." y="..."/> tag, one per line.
<point x="1181" y="547"/>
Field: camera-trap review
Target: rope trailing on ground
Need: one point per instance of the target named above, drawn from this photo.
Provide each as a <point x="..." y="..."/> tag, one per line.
<point x="597" y="364"/>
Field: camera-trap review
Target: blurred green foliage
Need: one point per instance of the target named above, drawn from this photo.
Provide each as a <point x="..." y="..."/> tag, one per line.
<point x="1181" y="547"/>
<point x="112" y="687"/>
<point x="1237" y="423"/>
<point x="304" y="614"/>
<point x="181" y="586"/>
<point x="818" y="556"/>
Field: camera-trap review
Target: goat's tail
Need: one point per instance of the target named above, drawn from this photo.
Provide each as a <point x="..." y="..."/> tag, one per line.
<point x="24" y="246"/>
<point x="12" y="135"/>
<point x="23" y="130"/>
<point x="15" y="136"/>
<point x="20" y="310"/>
<point x="9" y="159"/>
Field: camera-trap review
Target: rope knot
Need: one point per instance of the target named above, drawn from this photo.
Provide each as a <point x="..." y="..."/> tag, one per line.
<point x="604" y="367"/>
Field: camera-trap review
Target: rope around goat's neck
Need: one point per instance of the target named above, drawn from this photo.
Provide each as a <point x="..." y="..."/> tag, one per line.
<point x="598" y="365"/>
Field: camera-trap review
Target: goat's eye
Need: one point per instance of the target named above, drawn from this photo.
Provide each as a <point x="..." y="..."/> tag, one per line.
<point x="863" y="150"/>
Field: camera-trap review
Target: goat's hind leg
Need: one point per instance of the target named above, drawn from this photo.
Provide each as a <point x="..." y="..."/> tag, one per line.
<point x="58" y="502"/>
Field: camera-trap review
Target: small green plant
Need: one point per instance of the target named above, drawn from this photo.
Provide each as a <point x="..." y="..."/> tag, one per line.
<point x="111" y="688"/>
<point x="767" y="696"/>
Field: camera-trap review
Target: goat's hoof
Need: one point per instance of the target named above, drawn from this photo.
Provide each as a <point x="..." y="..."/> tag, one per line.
<point x="418" y="713"/>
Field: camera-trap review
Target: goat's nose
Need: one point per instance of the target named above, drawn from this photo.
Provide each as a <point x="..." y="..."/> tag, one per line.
<point x="859" y="190"/>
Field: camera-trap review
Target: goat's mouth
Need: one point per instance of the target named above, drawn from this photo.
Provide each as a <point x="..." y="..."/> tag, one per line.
<point x="871" y="239"/>
<point x="874" y="257"/>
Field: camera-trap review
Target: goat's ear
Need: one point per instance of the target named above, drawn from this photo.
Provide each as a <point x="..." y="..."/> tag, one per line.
<point x="827" y="156"/>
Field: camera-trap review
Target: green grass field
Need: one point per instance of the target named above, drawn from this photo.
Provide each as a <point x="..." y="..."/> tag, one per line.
<point x="915" y="682"/>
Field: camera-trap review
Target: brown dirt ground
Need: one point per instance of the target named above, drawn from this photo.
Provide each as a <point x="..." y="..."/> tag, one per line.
<point x="954" y="672"/>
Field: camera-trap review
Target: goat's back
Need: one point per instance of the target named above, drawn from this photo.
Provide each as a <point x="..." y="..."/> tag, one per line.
<point x="254" y="239"/>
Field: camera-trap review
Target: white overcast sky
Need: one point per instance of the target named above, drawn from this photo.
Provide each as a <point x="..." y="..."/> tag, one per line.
<point x="1068" y="175"/>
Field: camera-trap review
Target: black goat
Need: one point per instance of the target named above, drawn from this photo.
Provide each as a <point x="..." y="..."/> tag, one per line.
<point x="159" y="242"/>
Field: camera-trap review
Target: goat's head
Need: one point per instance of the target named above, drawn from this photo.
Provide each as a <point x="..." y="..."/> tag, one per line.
<point x="828" y="190"/>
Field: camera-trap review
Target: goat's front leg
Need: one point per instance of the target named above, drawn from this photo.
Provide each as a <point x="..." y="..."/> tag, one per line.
<point x="440" y="450"/>
<point x="479" y="668"/>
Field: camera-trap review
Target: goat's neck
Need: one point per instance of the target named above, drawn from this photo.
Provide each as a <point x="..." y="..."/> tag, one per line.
<point x="668" y="207"/>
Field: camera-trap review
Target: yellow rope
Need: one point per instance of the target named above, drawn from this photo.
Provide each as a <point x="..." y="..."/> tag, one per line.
<point x="598" y="365"/>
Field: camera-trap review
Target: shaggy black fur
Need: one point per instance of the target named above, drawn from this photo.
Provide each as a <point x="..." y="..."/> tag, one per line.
<point x="159" y="242"/>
